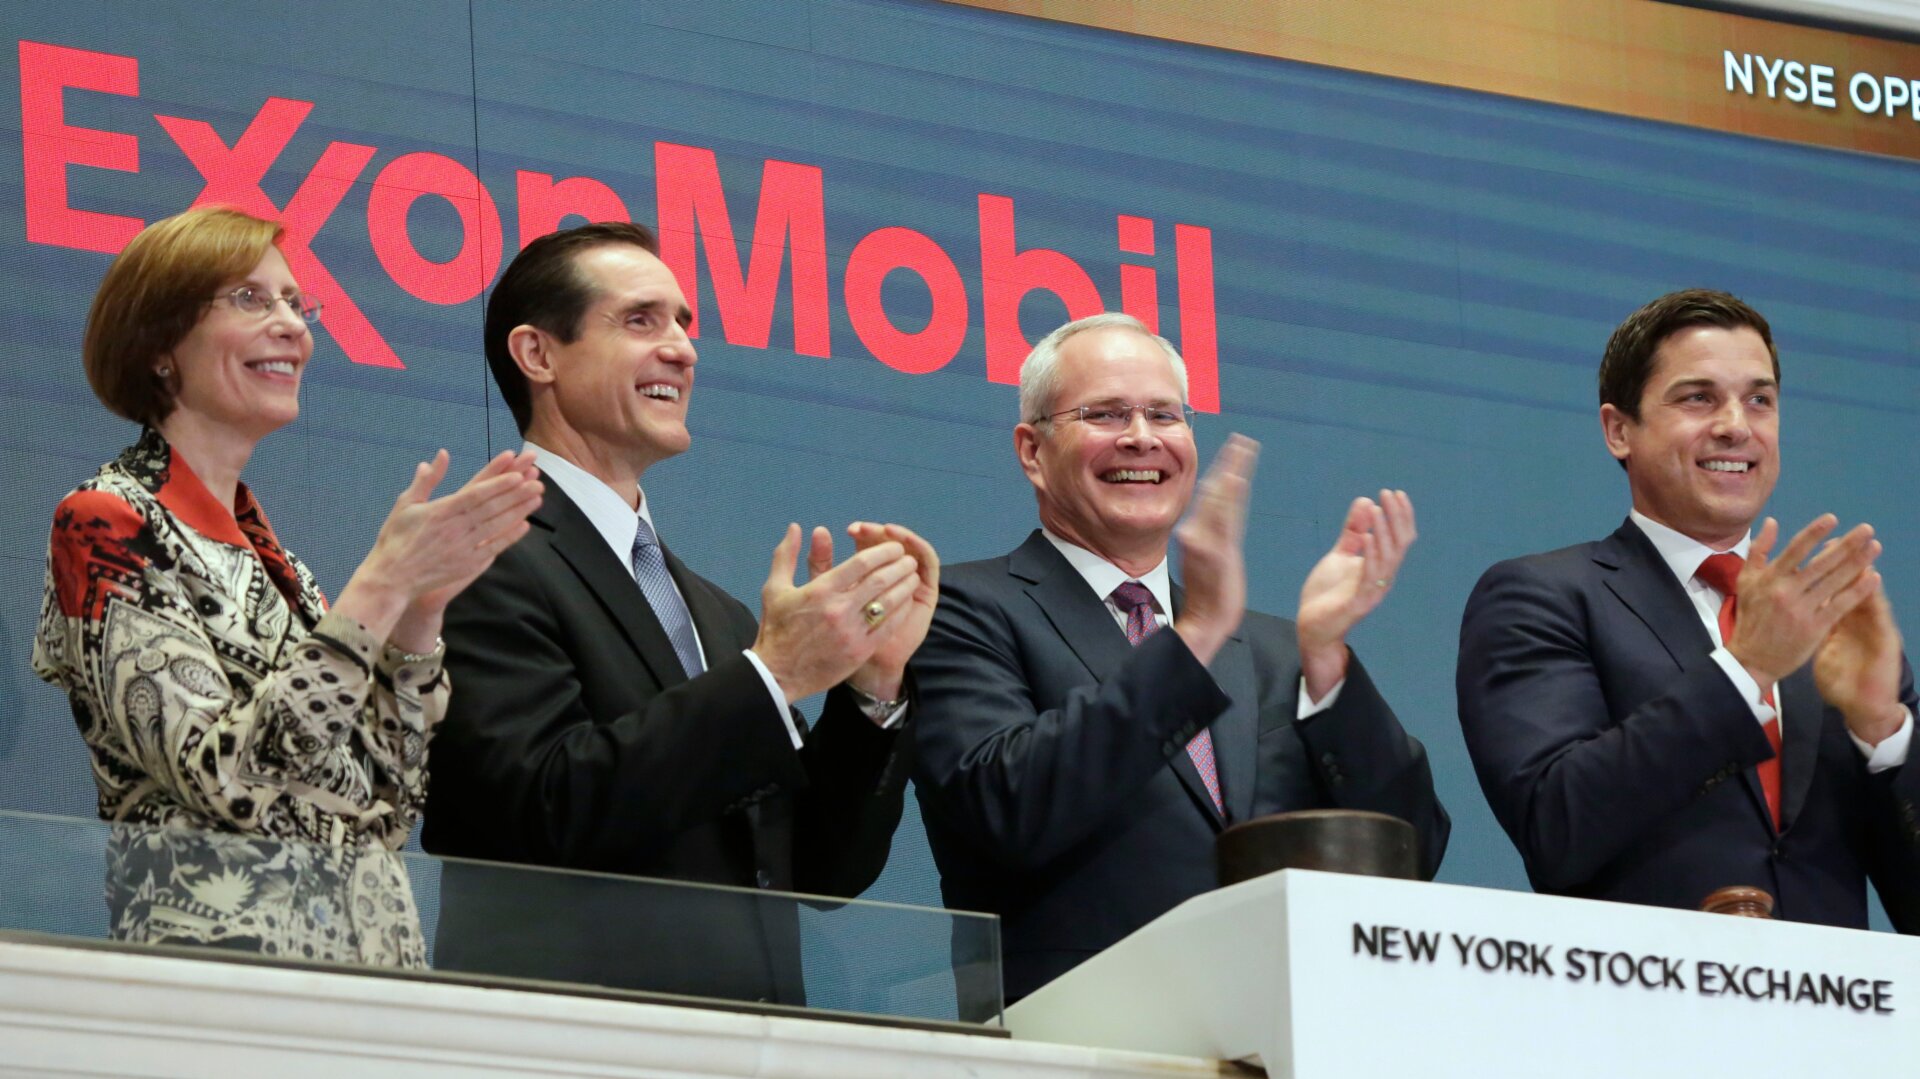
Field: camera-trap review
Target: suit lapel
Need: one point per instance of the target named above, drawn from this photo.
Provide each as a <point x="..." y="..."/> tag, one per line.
<point x="1645" y="583"/>
<point x="710" y="617"/>
<point x="1225" y="731"/>
<point x="1080" y="617"/>
<point x="1084" y="622"/>
<point x="1803" y="714"/>
<point x="611" y="583"/>
<point x="1236" y="734"/>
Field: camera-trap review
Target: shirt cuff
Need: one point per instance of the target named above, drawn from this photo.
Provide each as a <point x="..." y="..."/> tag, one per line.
<point x="1890" y="753"/>
<point x="348" y="638"/>
<point x="779" y="698"/>
<point x="1744" y="684"/>
<point x="1308" y="707"/>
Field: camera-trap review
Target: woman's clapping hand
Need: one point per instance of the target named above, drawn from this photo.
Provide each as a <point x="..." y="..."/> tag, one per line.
<point x="431" y="548"/>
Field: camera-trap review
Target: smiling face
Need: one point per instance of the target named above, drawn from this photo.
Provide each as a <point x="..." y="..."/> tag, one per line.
<point x="242" y="371"/>
<point x="1116" y="493"/>
<point x="1703" y="457"/>
<point x="618" y="391"/>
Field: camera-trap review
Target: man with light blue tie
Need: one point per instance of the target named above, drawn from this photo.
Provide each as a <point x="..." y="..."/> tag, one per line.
<point x="615" y="711"/>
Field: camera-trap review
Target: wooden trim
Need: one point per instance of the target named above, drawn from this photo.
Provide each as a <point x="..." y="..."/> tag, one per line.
<point x="1638" y="58"/>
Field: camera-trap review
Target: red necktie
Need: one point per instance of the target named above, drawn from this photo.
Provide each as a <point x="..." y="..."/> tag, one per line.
<point x="1719" y="572"/>
<point x="1133" y="598"/>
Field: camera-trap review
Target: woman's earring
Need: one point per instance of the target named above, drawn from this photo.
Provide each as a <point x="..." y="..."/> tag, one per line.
<point x="163" y="372"/>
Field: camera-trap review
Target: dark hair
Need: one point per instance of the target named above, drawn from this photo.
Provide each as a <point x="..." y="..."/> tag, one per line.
<point x="1628" y="361"/>
<point x="152" y="297"/>
<point x="543" y="288"/>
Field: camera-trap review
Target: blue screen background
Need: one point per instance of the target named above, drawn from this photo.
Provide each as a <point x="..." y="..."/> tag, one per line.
<point x="1413" y="287"/>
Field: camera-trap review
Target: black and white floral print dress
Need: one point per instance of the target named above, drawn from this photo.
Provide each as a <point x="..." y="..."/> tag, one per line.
<point x="261" y="756"/>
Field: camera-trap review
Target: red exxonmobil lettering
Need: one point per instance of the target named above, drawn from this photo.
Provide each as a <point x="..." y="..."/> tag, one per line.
<point x="788" y="241"/>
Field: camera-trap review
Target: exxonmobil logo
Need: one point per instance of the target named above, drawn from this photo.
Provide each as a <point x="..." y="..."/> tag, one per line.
<point x="691" y="212"/>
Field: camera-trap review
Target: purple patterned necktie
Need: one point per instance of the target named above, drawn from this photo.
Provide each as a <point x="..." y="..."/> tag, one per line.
<point x="1133" y="598"/>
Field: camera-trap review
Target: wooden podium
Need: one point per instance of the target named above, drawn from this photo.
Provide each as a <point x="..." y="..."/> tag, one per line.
<point x="1320" y="975"/>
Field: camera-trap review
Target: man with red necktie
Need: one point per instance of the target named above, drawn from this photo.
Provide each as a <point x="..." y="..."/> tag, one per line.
<point x="1687" y="705"/>
<point x="1087" y="725"/>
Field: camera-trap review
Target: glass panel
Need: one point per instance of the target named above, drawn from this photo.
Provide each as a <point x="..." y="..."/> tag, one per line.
<point x="435" y="917"/>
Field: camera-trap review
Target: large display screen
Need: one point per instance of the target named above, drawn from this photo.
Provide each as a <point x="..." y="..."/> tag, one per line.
<point x="876" y="206"/>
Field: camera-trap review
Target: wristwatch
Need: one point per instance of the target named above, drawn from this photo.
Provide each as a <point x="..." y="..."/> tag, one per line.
<point x="873" y="707"/>
<point x="402" y="659"/>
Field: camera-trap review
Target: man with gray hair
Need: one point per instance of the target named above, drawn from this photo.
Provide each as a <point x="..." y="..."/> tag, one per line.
<point x="1075" y="763"/>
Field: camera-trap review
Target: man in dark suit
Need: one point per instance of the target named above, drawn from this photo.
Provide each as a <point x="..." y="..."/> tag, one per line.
<point x="614" y="711"/>
<point x="1677" y="708"/>
<point x="1086" y="726"/>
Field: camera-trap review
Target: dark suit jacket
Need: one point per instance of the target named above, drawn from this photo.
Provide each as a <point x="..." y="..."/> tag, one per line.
<point x="1053" y="774"/>
<point x="574" y="739"/>
<point x="1620" y="757"/>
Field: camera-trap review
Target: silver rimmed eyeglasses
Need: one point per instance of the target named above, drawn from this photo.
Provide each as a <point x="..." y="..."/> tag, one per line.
<point x="1114" y="417"/>
<point x="259" y="302"/>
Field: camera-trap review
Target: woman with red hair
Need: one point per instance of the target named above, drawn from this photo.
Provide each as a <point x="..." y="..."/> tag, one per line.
<point x="264" y="751"/>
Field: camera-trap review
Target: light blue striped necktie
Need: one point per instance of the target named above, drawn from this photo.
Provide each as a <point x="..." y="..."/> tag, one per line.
<point x="650" y="570"/>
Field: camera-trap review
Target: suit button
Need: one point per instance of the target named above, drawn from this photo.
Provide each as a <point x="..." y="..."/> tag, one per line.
<point x="1780" y="851"/>
<point x="763" y="878"/>
<point x="1327" y="759"/>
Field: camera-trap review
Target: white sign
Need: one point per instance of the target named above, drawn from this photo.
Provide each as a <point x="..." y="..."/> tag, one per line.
<point x="1321" y="975"/>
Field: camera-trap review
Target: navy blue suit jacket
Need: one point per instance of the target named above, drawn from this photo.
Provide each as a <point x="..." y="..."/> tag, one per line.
<point x="1620" y="758"/>
<point x="1052" y="769"/>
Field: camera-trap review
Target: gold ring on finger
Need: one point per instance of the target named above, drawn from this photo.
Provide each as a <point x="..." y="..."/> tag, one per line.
<point x="873" y="613"/>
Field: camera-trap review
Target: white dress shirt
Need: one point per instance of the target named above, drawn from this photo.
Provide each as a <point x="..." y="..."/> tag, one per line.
<point x="1683" y="556"/>
<point x="1103" y="577"/>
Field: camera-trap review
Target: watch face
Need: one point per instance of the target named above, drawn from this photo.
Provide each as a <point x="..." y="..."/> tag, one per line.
<point x="876" y="709"/>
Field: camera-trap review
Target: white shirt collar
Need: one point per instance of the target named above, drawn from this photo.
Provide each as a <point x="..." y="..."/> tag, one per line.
<point x="1103" y="576"/>
<point x="1682" y="554"/>
<point x="606" y="509"/>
